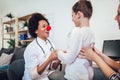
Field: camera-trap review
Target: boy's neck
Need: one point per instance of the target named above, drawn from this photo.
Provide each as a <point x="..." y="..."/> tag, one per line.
<point x="84" y="22"/>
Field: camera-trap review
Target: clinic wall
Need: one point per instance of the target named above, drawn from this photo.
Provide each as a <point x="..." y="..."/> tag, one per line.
<point x="58" y="13"/>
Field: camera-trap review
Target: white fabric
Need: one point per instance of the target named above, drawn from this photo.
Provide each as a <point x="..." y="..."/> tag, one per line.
<point x="34" y="57"/>
<point x="77" y="69"/>
<point x="5" y="59"/>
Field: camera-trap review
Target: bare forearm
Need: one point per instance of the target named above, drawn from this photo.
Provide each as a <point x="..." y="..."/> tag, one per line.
<point x="103" y="66"/>
<point x="110" y="62"/>
<point x="41" y="68"/>
<point x="51" y="58"/>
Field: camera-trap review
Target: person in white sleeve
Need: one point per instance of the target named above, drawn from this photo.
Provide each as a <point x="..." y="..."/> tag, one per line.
<point x="80" y="37"/>
<point x="40" y="57"/>
<point x="108" y="66"/>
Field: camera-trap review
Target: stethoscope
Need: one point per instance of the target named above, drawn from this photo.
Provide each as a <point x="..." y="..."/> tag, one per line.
<point x="51" y="49"/>
<point x="48" y="28"/>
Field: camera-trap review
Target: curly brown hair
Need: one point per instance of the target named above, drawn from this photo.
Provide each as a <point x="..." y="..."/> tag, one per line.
<point x="33" y="23"/>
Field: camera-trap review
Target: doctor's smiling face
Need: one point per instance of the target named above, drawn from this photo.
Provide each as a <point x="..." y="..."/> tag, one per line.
<point x="117" y="18"/>
<point x="42" y="30"/>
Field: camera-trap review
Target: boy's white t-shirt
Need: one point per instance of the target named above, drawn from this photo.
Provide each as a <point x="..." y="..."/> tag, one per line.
<point x="78" y="69"/>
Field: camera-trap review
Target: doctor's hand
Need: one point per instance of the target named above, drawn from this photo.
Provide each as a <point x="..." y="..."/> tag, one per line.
<point x="53" y="55"/>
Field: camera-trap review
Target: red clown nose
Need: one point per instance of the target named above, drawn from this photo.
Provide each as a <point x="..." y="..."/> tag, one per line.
<point x="48" y="28"/>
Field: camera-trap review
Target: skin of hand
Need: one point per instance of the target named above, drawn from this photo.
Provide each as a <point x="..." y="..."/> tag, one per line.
<point x="53" y="55"/>
<point x="92" y="50"/>
<point x="93" y="54"/>
<point x="55" y="64"/>
<point x="88" y="53"/>
<point x="82" y="53"/>
<point x="108" y="60"/>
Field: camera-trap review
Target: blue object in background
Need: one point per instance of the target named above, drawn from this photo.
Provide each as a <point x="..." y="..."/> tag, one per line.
<point x="23" y="36"/>
<point x="4" y="67"/>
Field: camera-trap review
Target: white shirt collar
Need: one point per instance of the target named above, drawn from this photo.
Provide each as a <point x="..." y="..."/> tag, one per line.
<point x="42" y="42"/>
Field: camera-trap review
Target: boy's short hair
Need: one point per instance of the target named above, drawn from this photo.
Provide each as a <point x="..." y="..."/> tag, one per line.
<point x="84" y="6"/>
